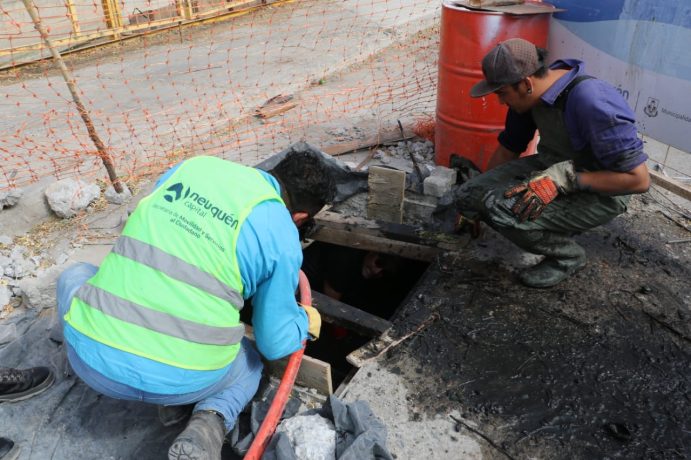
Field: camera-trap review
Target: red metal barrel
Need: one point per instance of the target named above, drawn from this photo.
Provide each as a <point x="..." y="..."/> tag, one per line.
<point x="465" y="126"/>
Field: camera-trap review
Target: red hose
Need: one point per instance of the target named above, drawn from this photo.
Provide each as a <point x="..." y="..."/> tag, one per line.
<point x="268" y="426"/>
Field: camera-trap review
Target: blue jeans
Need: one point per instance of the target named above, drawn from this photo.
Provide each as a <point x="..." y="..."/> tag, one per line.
<point x="228" y="396"/>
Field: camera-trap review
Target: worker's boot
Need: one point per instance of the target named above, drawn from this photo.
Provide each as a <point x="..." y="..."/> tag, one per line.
<point x="8" y="449"/>
<point x="16" y="385"/>
<point x="563" y="257"/>
<point x="201" y="440"/>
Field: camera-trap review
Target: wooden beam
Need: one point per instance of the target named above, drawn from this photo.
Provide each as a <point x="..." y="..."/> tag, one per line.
<point x="313" y="373"/>
<point x="670" y="184"/>
<point x="397" y="239"/>
<point x="385" y="136"/>
<point x="349" y="317"/>
<point x="72" y="13"/>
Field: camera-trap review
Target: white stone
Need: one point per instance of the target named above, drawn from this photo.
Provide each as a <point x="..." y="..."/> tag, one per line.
<point x="39" y="292"/>
<point x="313" y="437"/>
<point x="436" y="186"/>
<point x="10" y="197"/>
<point x="5" y="295"/>
<point x="118" y="198"/>
<point x="67" y="197"/>
<point x="5" y="240"/>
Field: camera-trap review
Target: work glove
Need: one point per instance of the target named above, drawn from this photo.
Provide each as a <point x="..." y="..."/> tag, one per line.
<point x="314" y="321"/>
<point x="541" y="189"/>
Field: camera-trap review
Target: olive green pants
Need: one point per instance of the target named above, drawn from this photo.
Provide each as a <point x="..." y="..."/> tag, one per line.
<point x="550" y="234"/>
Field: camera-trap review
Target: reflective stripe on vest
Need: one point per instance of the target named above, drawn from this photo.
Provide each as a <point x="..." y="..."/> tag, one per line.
<point x="171" y="288"/>
<point x="123" y="309"/>
<point x="176" y="268"/>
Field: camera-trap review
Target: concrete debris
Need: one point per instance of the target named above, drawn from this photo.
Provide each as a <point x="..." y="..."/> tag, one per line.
<point x="5" y="240"/>
<point x="39" y="292"/>
<point x="10" y="197"/>
<point x="68" y="197"/>
<point x="313" y="437"/>
<point x="440" y="181"/>
<point x="16" y="265"/>
<point x="118" y="198"/>
<point x="5" y="295"/>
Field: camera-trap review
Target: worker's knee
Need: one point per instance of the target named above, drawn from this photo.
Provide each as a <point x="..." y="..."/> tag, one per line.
<point x="69" y="281"/>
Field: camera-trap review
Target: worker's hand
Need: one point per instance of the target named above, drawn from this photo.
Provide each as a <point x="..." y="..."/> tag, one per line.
<point x="314" y="321"/>
<point x="542" y="189"/>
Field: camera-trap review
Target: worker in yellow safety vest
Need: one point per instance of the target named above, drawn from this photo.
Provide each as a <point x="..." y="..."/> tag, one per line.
<point x="159" y="320"/>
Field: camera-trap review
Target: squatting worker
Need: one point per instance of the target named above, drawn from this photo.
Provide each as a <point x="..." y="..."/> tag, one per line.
<point x="159" y="320"/>
<point x="589" y="158"/>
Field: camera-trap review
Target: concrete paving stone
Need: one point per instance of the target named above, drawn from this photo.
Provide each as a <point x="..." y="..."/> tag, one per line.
<point x="438" y="185"/>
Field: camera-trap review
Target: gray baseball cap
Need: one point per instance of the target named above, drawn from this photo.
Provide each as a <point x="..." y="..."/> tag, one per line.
<point x="508" y="63"/>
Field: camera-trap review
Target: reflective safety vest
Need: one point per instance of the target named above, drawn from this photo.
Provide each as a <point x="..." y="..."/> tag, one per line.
<point x="170" y="290"/>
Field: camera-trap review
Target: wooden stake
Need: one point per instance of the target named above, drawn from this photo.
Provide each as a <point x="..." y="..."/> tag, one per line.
<point x="69" y="79"/>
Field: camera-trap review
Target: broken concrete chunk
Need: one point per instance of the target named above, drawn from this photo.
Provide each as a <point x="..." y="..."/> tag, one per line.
<point x="440" y="181"/>
<point x="5" y="240"/>
<point x="9" y="198"/>
<point x="67" y="197"/>
<point x="118" y="198"/>
<point x="5" y="295"/>
<point x="4" y="262"/>
<point x="39" y="292"/>
<point x="312" y="437"/>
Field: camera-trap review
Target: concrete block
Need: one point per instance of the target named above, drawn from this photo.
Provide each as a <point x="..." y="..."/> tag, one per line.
<point x="439" y="181"/>
<point x="417" y="209"/>
<point x="443" y="171"/>
<point x="437" y="186"/>
<point x="386" y="191"/>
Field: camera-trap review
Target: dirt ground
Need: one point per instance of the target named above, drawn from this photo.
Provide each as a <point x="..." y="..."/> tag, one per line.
<point x="597" y="367"/>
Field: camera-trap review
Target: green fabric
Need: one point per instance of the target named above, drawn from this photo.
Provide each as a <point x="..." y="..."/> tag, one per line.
<point x="196" y="216"/>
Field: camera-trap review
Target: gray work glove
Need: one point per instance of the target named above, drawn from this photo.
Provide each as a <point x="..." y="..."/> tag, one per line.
<point x="541" y="189"/>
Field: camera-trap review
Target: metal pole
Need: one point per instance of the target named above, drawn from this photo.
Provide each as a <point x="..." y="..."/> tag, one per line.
<point x="69" y="79"/>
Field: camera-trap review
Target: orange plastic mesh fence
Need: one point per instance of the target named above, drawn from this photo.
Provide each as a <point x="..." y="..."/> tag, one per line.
<point x="163" y="80"/>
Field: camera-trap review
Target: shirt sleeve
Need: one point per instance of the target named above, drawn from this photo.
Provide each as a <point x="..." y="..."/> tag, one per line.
<point x="166" y="175"/>
<point x="519" y="130"/>
<point x="269" y="256"/>
<point x="598" y="116"/>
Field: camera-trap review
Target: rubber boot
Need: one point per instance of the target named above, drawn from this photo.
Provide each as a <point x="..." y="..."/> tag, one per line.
<point x="563" y="257"/>
<point x="202" y="439"/>
<point x="8" y="449"/>
<point x="17" y="385"/>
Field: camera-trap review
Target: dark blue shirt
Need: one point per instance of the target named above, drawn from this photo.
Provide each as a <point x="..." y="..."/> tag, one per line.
<point x="595" y="114"/>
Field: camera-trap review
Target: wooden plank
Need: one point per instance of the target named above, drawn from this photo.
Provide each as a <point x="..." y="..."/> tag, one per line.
<point x="366" y="242"/>
<point x="670" y="184"/>
<point x="313" y="373"/>
<point x="377" y="347"/>
<point x="384" y="136"/>
<point x="352" y="318"/>
<point x="397" y="239"/>
<point x="386" y="191"/>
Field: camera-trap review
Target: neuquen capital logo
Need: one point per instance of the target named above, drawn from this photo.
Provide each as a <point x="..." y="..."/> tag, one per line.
<point x="176" y="194"/>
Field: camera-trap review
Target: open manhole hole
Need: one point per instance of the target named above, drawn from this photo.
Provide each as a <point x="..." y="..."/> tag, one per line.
<point x="360" y="290"/>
